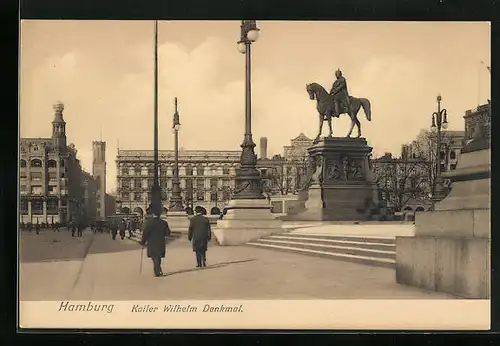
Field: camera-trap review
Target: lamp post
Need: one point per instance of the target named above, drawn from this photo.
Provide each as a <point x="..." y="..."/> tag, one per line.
<point x="439" y="122"/>
<point x="155" y="206"/>
<point x="248" y="179"/>
<point x="176" y="200"/>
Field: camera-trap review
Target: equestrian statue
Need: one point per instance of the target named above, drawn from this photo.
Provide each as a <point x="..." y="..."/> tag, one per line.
<point x="337" y="102"/>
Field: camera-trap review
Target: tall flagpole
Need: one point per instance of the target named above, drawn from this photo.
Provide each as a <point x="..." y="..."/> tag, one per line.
<point x="156" y="108"/>
<point x="155" y="206"/>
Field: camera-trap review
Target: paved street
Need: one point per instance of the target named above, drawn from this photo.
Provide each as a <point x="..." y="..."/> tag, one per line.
<point x="111" y="270"/>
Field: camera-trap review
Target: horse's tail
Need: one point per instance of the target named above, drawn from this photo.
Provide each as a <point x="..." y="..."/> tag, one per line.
<point x="365" y="103"/>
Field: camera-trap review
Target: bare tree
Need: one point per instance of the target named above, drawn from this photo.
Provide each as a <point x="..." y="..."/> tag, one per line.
<point x="424" y="148"/>
<point x="401" y="179"/>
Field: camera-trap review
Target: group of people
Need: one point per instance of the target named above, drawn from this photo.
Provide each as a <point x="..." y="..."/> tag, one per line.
<point x="157" y="230"/>
<point x="54" y="226"/>
<point x="122" y="226"/>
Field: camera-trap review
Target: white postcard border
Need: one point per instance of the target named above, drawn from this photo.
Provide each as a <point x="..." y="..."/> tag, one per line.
<point x="355" y="314"/>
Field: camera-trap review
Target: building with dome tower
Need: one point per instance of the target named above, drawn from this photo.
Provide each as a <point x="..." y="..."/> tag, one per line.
<point x="51" y="180"/>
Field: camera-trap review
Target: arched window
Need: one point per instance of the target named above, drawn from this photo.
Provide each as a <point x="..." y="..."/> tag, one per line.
<point x="189" y="170"/>
<point x="52" y="164"/>
<point x="139" y="211"/>
<point x="420" y="209"/>
<point x="453" y="155"/>
<point x="22" y="163"/>
<point x="125" y="210"/>
<point x="36" y="163"/>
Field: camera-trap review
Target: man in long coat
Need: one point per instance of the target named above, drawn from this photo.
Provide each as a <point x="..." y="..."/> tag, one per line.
<point x="154" y="234"/>
<point x="199" y="234"/>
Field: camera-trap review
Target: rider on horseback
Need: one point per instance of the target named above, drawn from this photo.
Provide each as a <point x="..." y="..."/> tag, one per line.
<point x="340" y="94"/>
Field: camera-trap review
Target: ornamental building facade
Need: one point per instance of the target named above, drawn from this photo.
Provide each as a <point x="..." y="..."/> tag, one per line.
<point x="206" y="178"/>
<point x="50" y="176"/>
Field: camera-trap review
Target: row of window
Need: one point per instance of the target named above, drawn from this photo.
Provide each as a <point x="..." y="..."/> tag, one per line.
<point x="189" y="171"/>
<point x="38" y="189"/>
<point x="39" y="163"/>
<point x="147" y="183"/>
<point x="37" y="207"/>
<point x="189" y="195"/>
<point x="37" y="176"/>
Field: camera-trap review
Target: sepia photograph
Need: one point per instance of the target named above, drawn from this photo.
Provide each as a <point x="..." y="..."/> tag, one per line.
<point x="254" y="174"/>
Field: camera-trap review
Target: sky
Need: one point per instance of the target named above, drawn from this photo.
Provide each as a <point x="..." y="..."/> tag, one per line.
<point x="103" y="72"/>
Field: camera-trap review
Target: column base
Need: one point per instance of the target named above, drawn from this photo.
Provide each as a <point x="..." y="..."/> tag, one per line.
<point x="178" y="221"/>
<point x="246" y="220"/>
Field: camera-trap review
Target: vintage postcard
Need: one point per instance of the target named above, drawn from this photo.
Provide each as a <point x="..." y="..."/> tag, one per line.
<point x="254" y="175"/>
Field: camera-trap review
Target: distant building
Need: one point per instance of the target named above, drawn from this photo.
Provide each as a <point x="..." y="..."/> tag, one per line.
<point x="206" y="178"/>
<point x="89" y="197"/>
<point x="99" y="174"/>
<point x="263" y="148"/>
<point x="297" y="149"/>
<point x="50" y="176"/>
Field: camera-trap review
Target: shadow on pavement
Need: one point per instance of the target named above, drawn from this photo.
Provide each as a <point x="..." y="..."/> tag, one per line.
<point x="214" y="266"/>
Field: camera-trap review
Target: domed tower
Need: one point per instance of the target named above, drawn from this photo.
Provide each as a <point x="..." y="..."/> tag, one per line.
<point x="58" y="127"/>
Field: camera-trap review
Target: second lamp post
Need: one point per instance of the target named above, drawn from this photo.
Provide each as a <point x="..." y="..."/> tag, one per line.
<point x="439" y="122"/>
<point x="176" y="200"/>
<point x="248" y="179"/>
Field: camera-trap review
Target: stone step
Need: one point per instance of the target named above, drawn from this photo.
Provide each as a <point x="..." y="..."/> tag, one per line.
<point x="355" y="238"/>
<point x="365" y="244"/>
<point x="337" y="249"/>
<point x="368" y="250"/>
<point x="367" y="260"/>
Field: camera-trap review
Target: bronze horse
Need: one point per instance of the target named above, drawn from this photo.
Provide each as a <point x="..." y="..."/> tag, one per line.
<point x="326" y="109"/>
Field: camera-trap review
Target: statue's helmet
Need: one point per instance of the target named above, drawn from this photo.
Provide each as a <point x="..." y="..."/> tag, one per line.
<point x="338" y="73"/>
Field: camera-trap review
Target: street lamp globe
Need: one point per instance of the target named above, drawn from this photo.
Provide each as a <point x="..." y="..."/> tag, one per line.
<point x="444" y="125"/>
<point x="242" y="47"/>
<point x="434" y="129"/>
<point x="253" y="35"/>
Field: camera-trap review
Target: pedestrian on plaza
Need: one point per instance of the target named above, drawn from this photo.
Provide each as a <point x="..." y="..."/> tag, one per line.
<point x="131" y="228"/>
<point x="122" y="226"/>
<point x="37" y="228"/>
<point x="200" y="234"/>
<point x="81" y="226"/>
<point x="72" y="224"/>
<point x="114" y="229"/>
<point x="154" y="237"/>
<point x="56" y="227"/>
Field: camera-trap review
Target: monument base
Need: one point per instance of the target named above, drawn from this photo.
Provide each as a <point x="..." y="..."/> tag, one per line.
<point x="246" y="220"/>
<point x="452" y="245"/>
<point x="459" y="266"/>
<point x="178" y="221"/>
<point x="342" y="186"/>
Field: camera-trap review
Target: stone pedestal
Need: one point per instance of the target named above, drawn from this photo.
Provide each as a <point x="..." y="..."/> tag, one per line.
<point x="178" y="221"/>
<point x="246" y="220"/>
<point x="341" y="185"/>
<point x="450" y="251"/>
